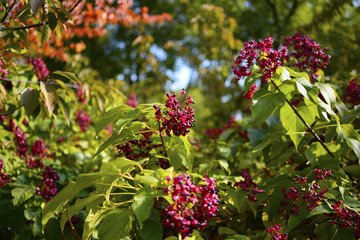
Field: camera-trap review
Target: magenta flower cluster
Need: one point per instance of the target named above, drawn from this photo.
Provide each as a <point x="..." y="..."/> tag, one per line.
<point x="214" y="133"/>
<point x="132" y="102"/>
<point x="47" y="187"/>
<point x="38" y="148"/>
<point x="261" y="53"/>
<point x="3" y="71"/>
<point x="83" y="120"/>
<point x="4" y="178"/>
<point x="307" y="54"/>
<point x="352" y="92"/>
<point x="345" y="218"/>
<point x="2" y="118"/>
<point x="80" y="94"/>
<point x="275" y="232"/>
<point x="249" y="185"/>
<point x="175" y="118"/>
<point x="192" y="205"/>
<point x="21" y="143"/>
<point x="38" y="151"/>
<point x="41" y="70"/>
<point x="307" y="192"/>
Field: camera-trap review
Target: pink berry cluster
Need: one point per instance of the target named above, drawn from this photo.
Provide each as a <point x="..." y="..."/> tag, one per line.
<point x="132" y="102"/>
<point x="47" y="187"/>
<point x="345" y="218"/>
<point x="274" y="232"/>
<point x="214" y="133"/>
<point x="352" y="92"/>
<point x="83" y="120"/>
<point x="192" y="205"/>
<point x="307" y="192"/>
<point x="38" y="151"/>
<point x="2" y="118"/>
<point x="307" y="54"/>
<point x="41" y="70"/>
<point x="175" y="118"/>
<point x="21" y="143"/>
<point x="81" y="96"/>
<point x="249" y="185"/>
<point x="3" y="71"/>
<point x="261" y="53"/>
<point x="38" y="148"/>
<point x="4" y="178"/>
<point x="135" y="149"/>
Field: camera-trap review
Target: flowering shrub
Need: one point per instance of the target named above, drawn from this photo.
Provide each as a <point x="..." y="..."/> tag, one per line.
<point x="269" y="167"/>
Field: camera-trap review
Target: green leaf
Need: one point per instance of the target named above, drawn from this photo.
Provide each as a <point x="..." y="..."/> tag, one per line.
<point x="65" y="110"/>
<point x="67" y="14"/>
<point x="64" y="76"/>
<point x="111" y="116"/>
<point x="119" y="165"/>
<point x="79" y="205"/>
<point x="93" y="219"/>
<point x="35" y="5"/>
<point x="149" y="180"/>
<point x="144" y="201"/>
<point x="123" y="219"/>
<point x="345" y="233"/>
<point x="21" y="194"/>
<point x="237" y="198"/>
<point x="226" y="231"/>
<point x="283" y="73"/>
<point x="238" y="237"/>
<point x="51" y="96"/>
<point x="266" y="105"/>
<point x="52" y="21"/>
<point x="129" y="130"/>
<point x="249" y="81"/>
<point x="294" y="220"/>
<point x="293" y="125"/>
<point x="186" y="143"/>
<point x="43" y="33"/>
<point x="69" y="91"/>
<point x="151" y="230"/>
<point x="68" y="193"/>
<point x="355" y="145"/>
<point x="328" y="92"/>
<point x="29" y="98"/>
<point x="321" y="209"/>
<point x="307" y="89"/>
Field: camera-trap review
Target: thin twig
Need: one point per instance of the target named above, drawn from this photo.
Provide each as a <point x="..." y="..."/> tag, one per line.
<point x="11" y="112"/>
<point x="76" y="4"/>
<point x="72" y="226"/>
<point x="304" y="122"/>
<point x="36" y="24"/>
<point x="8" y="11"/>
<point x="49" y="82"/>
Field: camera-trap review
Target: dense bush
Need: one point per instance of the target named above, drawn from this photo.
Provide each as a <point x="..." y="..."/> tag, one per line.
<point x="79" y="160"/>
